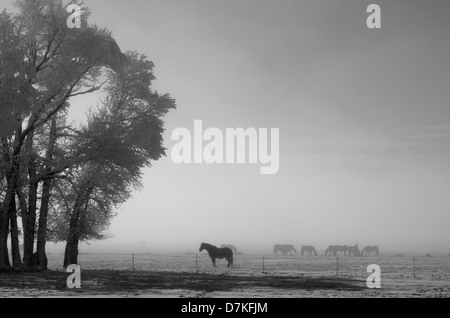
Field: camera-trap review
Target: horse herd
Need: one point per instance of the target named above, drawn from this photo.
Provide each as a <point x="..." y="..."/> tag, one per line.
<point x="332" y="250"/>
<point x="226" y="251"/>
<point x="288" y="249"/>
<point x="352" y="250"/>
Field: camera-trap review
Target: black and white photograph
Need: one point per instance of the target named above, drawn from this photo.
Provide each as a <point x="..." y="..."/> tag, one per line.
<point x="232" y="150"/>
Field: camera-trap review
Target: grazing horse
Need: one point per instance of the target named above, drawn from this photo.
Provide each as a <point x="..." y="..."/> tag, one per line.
<point x="235" y="250"/>
<point x="284" y="249"/>
<point x="333" y="250"/>
<point x="310" y="249"/>
<point x="288" y="249"/>
<point x="277" y="248"/>
<point x="369" y="249"/>
<point x="353" y="250"/>
<point x="220" y="253"/>
<point x="329" y="250"/>
<point x="342" y="248"/>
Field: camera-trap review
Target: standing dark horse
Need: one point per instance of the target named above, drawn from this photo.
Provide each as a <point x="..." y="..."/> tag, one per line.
<point x="220" y="253"/>
<point x="235" y="250"/>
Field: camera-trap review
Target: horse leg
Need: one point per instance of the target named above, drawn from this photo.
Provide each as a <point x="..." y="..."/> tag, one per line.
<point x="213" y="261"/>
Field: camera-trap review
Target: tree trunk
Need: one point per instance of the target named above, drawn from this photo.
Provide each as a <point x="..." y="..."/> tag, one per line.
<point x="4" y="230"/>
<point x="71" y="252"/>
<point x="12" y="177"/>
<point x="15" y="250"/>
<point x="23" y="206"/>
<point x="4" y="214"/>
<point x="29" y="224"/>
<point x="46" y="193"/>
<point x="42" y="231"/>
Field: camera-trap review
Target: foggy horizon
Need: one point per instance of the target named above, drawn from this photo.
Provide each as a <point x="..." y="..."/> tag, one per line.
<point x="143" y="247"/>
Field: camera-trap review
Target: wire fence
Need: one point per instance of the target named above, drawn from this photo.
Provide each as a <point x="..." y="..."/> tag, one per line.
<point x="437" y="268"/>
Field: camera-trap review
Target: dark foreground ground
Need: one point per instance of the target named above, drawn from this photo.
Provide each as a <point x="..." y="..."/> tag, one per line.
<point x="162" y="284"/>
<point x="95" y="283"/>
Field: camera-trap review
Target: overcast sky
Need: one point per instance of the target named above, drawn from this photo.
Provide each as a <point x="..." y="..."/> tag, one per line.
<point x="364" y="119"/>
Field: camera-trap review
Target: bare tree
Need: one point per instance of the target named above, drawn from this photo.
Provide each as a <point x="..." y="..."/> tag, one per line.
<point x="43" y="64"/>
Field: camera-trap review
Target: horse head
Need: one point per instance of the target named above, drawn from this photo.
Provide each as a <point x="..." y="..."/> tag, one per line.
<point x="202" y="247"/>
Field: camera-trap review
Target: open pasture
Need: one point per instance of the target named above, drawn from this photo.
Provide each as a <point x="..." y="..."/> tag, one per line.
<point x="255" y="276"/>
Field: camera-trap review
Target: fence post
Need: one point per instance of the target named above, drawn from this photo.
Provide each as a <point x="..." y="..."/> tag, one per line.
<point x="414" y="270"/>
<point x="196" y="262"/>
<point x="263" y="264"/>
<point x="132" y="256"/>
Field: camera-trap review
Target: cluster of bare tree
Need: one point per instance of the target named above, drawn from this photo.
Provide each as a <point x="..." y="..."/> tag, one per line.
<point x="62" y="181"/>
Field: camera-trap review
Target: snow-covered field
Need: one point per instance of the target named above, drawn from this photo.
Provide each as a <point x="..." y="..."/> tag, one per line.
<point x="253" y="276"/>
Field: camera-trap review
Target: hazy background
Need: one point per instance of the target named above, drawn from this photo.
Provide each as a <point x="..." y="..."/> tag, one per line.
<point x="364" y="118"/>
